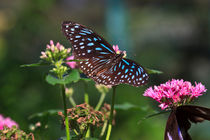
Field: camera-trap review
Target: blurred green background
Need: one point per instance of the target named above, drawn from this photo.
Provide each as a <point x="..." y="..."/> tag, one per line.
<point x="171" y="36"/>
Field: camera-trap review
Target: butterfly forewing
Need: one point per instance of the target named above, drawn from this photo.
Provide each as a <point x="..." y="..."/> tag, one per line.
<point x="85" y="42"/>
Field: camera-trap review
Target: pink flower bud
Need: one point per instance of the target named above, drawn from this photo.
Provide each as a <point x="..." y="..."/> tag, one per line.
<point x="71" y="64"/>
<point x="51" y="43"/>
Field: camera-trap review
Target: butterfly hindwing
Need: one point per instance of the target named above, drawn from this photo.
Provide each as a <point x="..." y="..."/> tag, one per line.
<point x="126" y="71"/>
<point x="85" y="42"/>
<point x="130" y="72"/>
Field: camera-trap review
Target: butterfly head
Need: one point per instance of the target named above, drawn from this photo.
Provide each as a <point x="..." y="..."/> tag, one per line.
<point x="118" y="57"/>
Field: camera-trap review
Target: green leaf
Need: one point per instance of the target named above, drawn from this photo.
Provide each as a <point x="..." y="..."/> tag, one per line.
<point x="151" y="71"/>
<point x="51" y="112"/>
<point x="153" y="115"/>
<point x="85" y="79"/>
<point x="40" y="63"/>
<point x="72" y="77"/>
<point x="53" y="80"/>
<point x="126" y="106"/>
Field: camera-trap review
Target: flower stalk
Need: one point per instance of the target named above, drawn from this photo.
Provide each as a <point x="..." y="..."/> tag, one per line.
<point x="65" y="112"/>
<point x="111" y="114"/>
<point x="100" y="102"/>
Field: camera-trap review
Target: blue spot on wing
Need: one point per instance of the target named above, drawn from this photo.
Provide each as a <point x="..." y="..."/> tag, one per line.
<point x="82" y="33"/>
<point x="123" y="66"/>
<point x="106" y="47"/>
<point x="98" y="49"/>
<point x="139" y="70"/>
<point x="102" y="60"/>
<point x="90" y="44"/>
<point x="104" y="53"/>
<point x="126" y="70"/>
<point x="88" y="32"/>
<point x="120" y="64"/>
<point x="125" y="61"/>
<point x="115" y="67"/>
<point x="133" y="77"/>
<point x="95" y="39"/>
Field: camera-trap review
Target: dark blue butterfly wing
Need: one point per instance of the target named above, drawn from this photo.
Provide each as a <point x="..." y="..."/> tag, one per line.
<point x="99" y="55"/>
<point x="126" y="71"/>
<point x="86" y="43"/>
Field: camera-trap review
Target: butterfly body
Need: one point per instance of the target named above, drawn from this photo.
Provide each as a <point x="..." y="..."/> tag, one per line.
<point x="102" y="63"/>
<point x="113" y="61"/>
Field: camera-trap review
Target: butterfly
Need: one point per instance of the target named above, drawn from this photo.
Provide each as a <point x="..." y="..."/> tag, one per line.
<point x="179" y="120"/>
<point x="102" y="63"/>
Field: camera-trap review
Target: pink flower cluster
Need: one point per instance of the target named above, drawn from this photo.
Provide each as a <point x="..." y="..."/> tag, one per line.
<point x="175" y="93"/>
<point x="6" y="122"/>
<point x="54" y="49"/>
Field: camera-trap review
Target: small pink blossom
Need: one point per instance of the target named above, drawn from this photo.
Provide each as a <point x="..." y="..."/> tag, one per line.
<point x="55" y="52"/>
<point x="118" y="51"/>
<point x="175" y="92"/>
<point x="51" y="43"/>
<point x="71" y="64"/>
<point x="54" y="47"/>
<point x="6" y="122"/>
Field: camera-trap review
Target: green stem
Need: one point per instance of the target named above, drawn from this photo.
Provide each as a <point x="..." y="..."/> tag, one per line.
<point x="65" y="112"/>
<point x="71" y="100"/>
<point x="101" y="100"/>
<point x="75" y="131"/>
<point x="88" y="133"/>
<point x="111" y="114"/>
<point x="103" y="128"/>
<point x="86" y="98"/>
